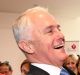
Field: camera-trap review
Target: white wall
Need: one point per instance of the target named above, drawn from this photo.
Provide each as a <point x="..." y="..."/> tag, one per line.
<point x="8" y="47"/>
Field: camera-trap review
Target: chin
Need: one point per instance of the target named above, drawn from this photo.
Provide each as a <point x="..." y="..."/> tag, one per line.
<point x="64" y="56"/>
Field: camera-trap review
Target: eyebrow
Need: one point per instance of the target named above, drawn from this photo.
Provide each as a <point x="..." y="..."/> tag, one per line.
<point x="51" y="26"/>
<point x="48" y="27"/>
<point x="58" y="25"/>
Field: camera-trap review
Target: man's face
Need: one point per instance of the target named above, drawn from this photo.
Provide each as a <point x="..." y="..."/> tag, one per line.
<point x="5" y="70"/>
<point x="49" y="41"/>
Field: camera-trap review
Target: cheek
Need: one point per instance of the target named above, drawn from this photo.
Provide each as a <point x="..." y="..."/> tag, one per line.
<point x="74" y="65"/>
<point x="47" y="43"/>
<point x="79" y="69"/>
<point x="10" y="73"/>
<point x="46" y="47"/>
<point x="67" y="65"/>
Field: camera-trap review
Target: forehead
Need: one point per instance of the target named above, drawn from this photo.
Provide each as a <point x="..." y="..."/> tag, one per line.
<point x="4" y="67"/>
<point x="41" y="18"/>
<point x="71" y="59"/>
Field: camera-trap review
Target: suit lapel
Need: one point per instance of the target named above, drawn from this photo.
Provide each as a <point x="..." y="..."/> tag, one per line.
<point x="36" y="71"/>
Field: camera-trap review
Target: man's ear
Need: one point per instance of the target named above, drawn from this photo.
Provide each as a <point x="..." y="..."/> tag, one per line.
<point x="26" y="46"/>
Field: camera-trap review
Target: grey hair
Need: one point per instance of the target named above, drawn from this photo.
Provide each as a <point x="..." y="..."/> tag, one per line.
<point x="22" y="28"/>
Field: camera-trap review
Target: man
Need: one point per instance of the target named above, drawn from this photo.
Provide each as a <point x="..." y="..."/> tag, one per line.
<point x="25" y="66"/>
<point x="5" y="68"/>
<point x="39" y="36"/>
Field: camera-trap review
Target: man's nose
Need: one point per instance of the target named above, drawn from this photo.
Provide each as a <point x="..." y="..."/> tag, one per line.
<point x="60" y="35"/>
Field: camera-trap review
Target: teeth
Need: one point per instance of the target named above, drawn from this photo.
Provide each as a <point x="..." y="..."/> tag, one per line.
<point x="58" y="46"/>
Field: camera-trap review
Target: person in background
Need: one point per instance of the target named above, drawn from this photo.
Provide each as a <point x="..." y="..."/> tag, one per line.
<point x="5" y="68"/>
<point x="78" y="66"/>
<point x="2" y="74"/>
<point x="38" y="35"/>
<point x="25" y="66"/>
<point x="70" y="62"/>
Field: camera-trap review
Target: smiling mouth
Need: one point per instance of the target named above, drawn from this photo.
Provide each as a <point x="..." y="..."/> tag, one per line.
<point x="60" y="44"/>
<point x="58" y="47"/>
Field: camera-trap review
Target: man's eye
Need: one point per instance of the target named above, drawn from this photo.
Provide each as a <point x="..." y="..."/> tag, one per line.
<point x="49" y="31"/>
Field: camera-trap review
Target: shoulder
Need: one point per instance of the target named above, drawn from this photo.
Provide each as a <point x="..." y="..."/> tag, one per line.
<point x="36" y="71"/>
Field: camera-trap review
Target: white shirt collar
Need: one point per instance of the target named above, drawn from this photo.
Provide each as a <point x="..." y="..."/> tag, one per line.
<point x="52" y="70"/>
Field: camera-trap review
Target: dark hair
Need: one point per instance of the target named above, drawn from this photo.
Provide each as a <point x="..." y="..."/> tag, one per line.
<point x="7" y="64"/>
<point x="78" y="62"/>
<point x="24" y="62"/>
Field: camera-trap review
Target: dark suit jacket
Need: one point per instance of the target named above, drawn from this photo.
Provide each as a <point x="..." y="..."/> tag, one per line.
<point x="36" y="71"/>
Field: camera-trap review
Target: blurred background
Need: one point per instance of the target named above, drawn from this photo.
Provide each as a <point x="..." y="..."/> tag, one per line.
<point x="67" y="12"/>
